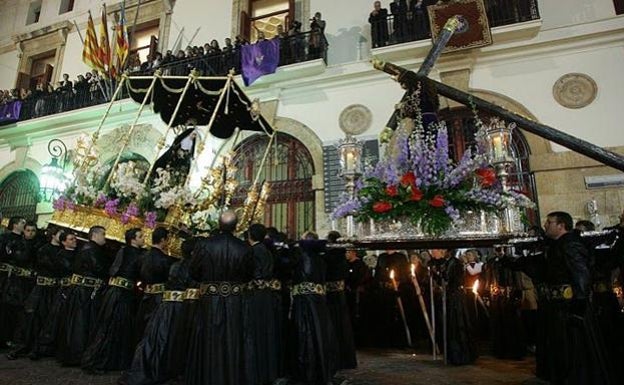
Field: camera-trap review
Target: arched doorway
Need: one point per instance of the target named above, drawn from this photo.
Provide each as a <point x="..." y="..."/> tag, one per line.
<point x="19" y="195"/>
<point x="288" y="170"/>
<point x="461" y="125"/>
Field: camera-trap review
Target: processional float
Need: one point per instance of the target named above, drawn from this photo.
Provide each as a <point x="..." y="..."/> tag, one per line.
<point x="415" y="197"/>
<point x="120" y="196"/>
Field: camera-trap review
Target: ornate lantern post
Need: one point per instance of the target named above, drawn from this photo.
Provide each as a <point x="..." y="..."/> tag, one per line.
<point x="350" y="150"/>
<point x="500" y="155"/>
<point x="53" y="179"/>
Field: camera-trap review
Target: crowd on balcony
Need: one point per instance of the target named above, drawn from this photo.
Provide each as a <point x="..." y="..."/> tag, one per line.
<point x="408" y="20"/>
<point x="210" y="59"/>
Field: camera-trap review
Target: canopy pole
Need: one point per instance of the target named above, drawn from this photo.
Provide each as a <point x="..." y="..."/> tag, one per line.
<point x="225" y="89"/>
<point x="129" y="133"/>
<point x="190" y="79"/>
<point x="96" y="134"/>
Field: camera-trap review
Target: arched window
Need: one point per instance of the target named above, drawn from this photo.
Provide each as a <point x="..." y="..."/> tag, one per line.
<point x="19" y="194"/>
<point x="462" y="128"/>
<point x="288" y="170"/>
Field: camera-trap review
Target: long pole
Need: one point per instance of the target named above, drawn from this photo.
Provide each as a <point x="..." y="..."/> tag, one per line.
<point x="96" y="134"/>
<point x="79" y="34"/>
<point x="423" y="308"/>
<point x="408" y="335"/>
<point x="433" y="315"/>
<point x="444" y="322"/>
<point x="130" y="130"/>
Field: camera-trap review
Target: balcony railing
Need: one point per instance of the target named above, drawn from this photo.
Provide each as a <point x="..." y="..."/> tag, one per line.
<point x="414" y="25"/>
<point x="298" y="48"/>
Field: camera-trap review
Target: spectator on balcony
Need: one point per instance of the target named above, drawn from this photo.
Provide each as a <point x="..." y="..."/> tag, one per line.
<point x="284" y="46"/>
<point x="398" y="8"/>
<point x="81" y="87"/>
<point x="40" y="94"/>
<point x="214" y="47"/>
<point x="229" y="57"/>
<point x="297" y="48"/>
<point x="169" y="58"/>
<point x="316" y="41"/>
<point x="240" y="41"/>
<point x="378" y="20"/>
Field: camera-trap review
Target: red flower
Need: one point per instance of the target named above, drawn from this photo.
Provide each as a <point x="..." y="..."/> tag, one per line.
<point x="437" y="201"/>
<point x="409" y="179"/>
<point x="486" y="176"/>
<point x="392" y="191"/>
<point x="382" y="207"/>
<point x="416" y="194"/>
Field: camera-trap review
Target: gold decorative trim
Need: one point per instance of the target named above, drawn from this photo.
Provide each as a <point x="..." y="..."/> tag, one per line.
<point x="468" y="18"/>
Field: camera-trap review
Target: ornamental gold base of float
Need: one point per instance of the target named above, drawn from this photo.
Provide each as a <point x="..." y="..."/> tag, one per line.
<point x="470" y="225"/>
<point x="82" y="218"/>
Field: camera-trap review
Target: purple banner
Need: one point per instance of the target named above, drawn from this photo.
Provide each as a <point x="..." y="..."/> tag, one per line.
<point x="259" y="59"/>
<point x="10" y="112"/>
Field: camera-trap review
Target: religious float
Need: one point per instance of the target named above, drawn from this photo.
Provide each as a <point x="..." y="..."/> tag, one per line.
<point x="120" y="196"/>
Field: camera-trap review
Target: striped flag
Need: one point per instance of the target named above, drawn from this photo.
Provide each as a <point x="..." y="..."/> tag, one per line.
<point x="90" y="51"/>
<point x="104" y="51"/>
<point x="122" y="45"/>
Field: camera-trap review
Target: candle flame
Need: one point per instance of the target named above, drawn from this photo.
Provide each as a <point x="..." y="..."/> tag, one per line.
<point x="413" y="270"/>
<point x="392" y="275"/>
<point x="475" y="287"/>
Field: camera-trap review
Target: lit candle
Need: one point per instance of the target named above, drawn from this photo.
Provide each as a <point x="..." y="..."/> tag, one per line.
<point x="475" y="288"/>
<point x="350" y="164"/>
<point x="413" y="270"/>
<point x="497" y="143"/>
<point x="394" y="284"/>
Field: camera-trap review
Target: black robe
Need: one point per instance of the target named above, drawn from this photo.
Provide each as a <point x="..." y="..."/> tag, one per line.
<point x="7" y="315"/>
<point x="111" y="345"/>
<point x="505" y="293"/>
<point x="161" y="354"/>
<point x="155" y="266"/>
<point x="263" y="324"/>
<point x="39" y="302"/>
<point x="83" y="304"/>
<point x="379" y="28"/>
<point x="48" y="337"/>
<point x="216" y="352"/>
<point x="570" y="348"/>
<point x="358" y="280"/>
<point x="315" y="351"/>
<point x="339" y="310"/>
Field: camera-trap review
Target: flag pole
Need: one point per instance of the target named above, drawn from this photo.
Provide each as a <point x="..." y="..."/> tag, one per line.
<point x="79" y="34"/>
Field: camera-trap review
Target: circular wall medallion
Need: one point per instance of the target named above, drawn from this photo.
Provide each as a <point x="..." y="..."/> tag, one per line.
<point x="355" y="119"/>
<point x="575" y="90"/>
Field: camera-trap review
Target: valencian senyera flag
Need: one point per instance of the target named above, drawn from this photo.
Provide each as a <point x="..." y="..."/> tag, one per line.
<point x="122" y="45"/>
<point x="259" y="59"/>
<point x="104" y="49"/>
<point x="91" y="51"/>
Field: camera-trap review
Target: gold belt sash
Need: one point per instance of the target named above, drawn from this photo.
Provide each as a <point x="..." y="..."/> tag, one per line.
<point x="262" y="284"/>
<point x="121" y="282"/>
<point x="334" y="286"/>
<point x="21" y="272"/>
<point x="500" y="290"/>
<point x="173" y="296"/>
<point x="82" y="280"/>
<point x="155" y="288"/>
<point x="192" y="294"/>
<point x="556" y="292"/>
<point x="46" y="281"/>
<point x="305" y="288"/>
<point x="65" y="281"/>
<point x="6" y="267"/>
<point x="223" y="289"/>
<point x="601" y="287"/>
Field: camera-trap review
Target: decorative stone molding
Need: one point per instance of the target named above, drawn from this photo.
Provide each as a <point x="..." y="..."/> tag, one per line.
<point x="575" y="90"/>
<point x="142" y="142"/>
<point x="355" y="119"/>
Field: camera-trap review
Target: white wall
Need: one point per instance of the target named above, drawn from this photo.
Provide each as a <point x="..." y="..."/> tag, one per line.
<point x="558" y="13"/>
<point x="8" y="69"/>
<point x="190" y="15"/>
<point x="72" y="58"/>
<point x="530" y="81"/>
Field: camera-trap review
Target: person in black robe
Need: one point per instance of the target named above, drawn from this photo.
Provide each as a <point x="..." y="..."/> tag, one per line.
<point x="315" y="351"/>
<point x="90" y="270"/>
<point x="357" y="282"/>
<point x="378" y="20"/>
<point x="40" y="300"/>
<point x="155" y="266"/>
<point x="336" y="275"/>
<point x="55" y="327"/>
<point x="13" y="235"/>
<point x="20" y="282"/>
<point x="223" y="264"/>
<point x="262" y="315"/>
<point x="111" y="345"/>
<point x="461" y="346"/>
<point x="398" y="8"/>
<point x="569" y="347"/>
<point x="161" y="353"/>
<point x="504" y="288"/>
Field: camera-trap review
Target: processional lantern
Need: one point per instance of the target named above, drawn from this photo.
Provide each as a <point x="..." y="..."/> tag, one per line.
<point x="53" y="180"/>
<point x="499" y="138"/>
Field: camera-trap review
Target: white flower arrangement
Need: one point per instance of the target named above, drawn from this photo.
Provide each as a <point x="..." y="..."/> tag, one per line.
<point x="126" y="181"/>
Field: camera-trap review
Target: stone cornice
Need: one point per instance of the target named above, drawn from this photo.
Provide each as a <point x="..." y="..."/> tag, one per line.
<point x="60" y="26"/>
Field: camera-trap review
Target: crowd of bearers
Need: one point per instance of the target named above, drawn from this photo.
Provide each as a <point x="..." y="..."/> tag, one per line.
<point x="215" y="316"/>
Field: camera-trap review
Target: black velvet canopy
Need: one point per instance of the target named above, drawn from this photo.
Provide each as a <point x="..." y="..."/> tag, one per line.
<point x="199" y="103"/>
